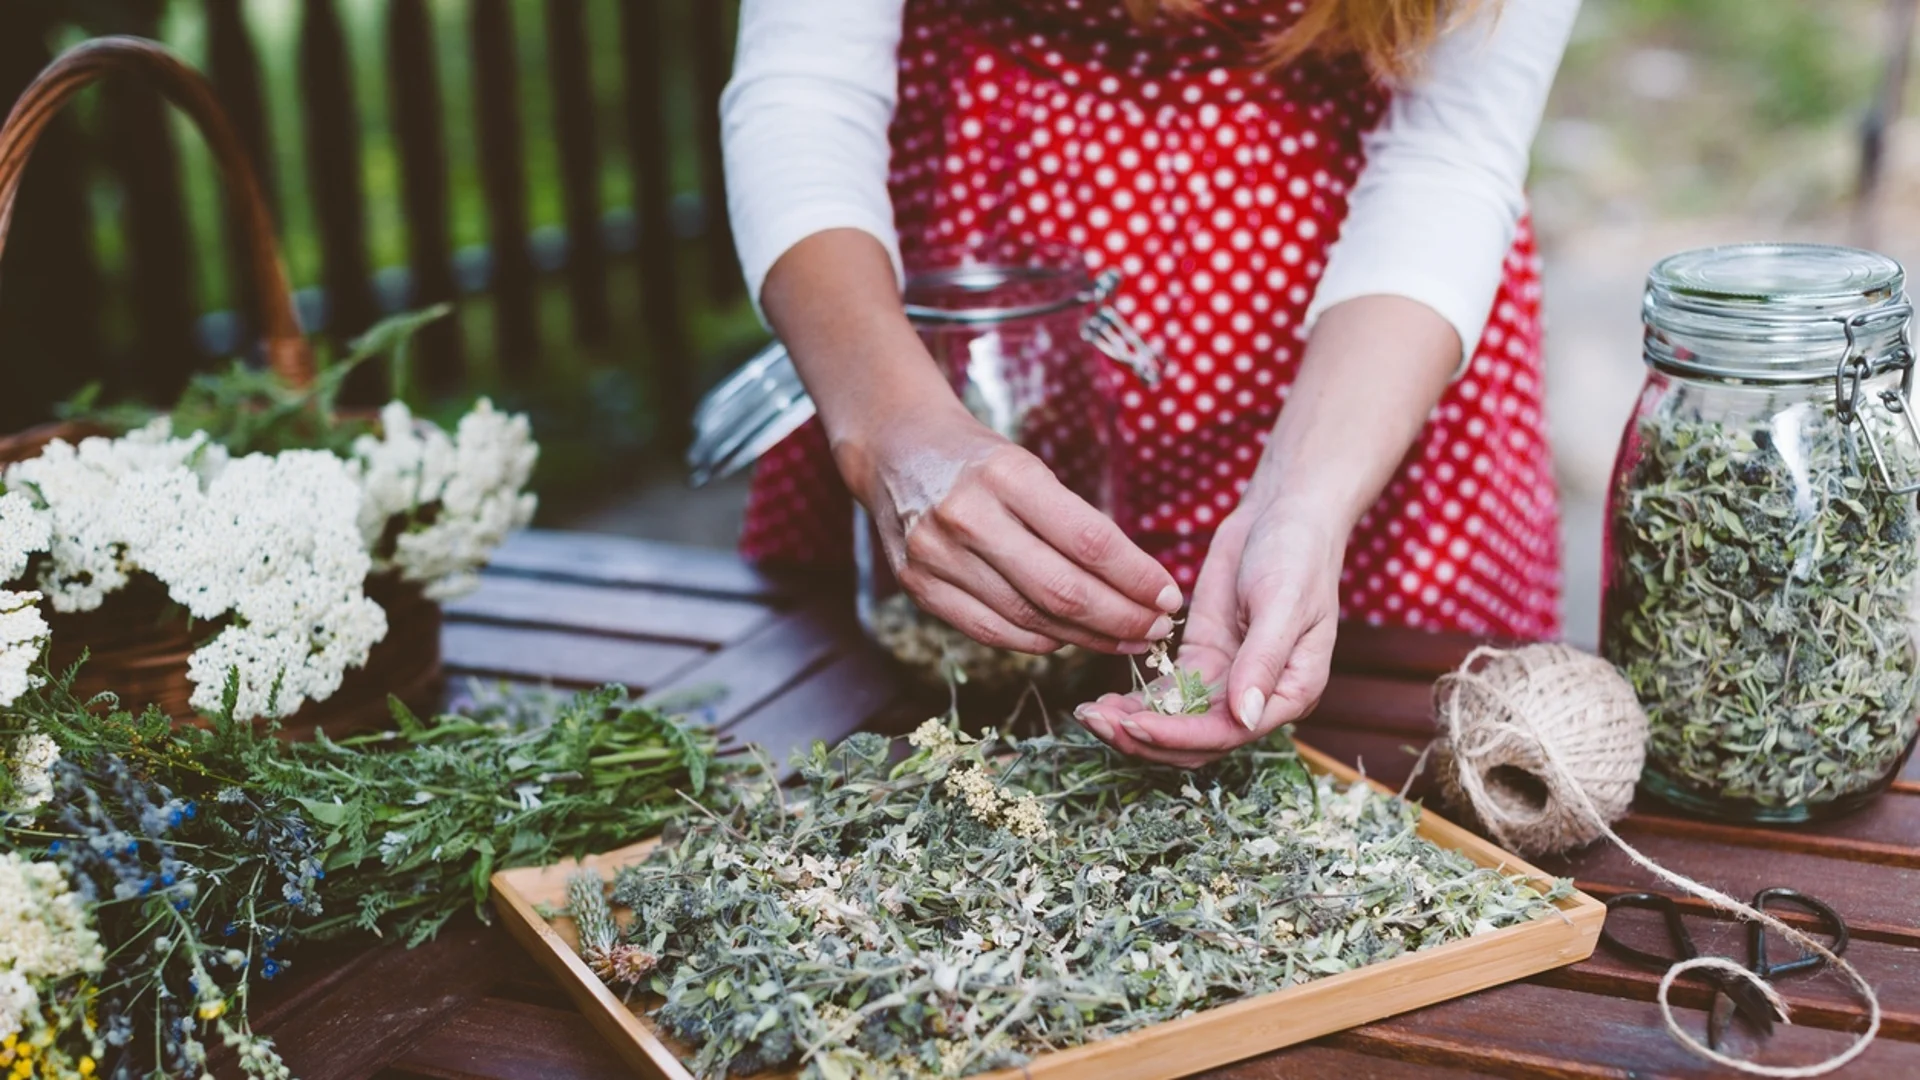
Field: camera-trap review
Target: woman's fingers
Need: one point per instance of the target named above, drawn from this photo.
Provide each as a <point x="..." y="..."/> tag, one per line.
<point x="1070" y="596"/>
<point x="1083" y="535"/>
<point x="991" y="586"/>
<point x="935" y="554"/>
<point x="1281" y="669"/>
<point x="962" y="611"/>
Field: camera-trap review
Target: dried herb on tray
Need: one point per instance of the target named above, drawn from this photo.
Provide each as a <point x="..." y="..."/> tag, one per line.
<point x="1761" y="603"/>
<point x="986" y="901"/>
<point x="939" y="655"/>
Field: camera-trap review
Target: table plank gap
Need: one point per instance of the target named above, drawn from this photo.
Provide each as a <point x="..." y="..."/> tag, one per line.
<point x="562" y="656"/>
<point x="827" y="705"/>
<point x="603" y="559"/>
<point x="559" y="605"/>
<point x="759" y="667"/>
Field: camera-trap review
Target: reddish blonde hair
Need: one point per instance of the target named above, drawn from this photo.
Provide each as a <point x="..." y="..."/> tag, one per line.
<point x="1389" y="35"/>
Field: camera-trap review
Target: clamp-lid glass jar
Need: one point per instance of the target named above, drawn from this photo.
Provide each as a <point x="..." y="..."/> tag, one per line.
<point x="1036" y="353"/>
<point x="1763" y="555"/>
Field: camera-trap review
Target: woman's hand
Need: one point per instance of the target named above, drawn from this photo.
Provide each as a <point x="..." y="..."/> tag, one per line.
<point x="1267" y="602"/>
<point x="1260" y="632"/>
<point x="977" y="530"/>
<point x="981" y="534"/>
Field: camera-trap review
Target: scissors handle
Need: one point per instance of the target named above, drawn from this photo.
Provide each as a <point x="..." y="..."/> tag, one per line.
<point x="1682" y="942"/>
<point x="1831" y="924"/>
<point x="1747" y="998"/>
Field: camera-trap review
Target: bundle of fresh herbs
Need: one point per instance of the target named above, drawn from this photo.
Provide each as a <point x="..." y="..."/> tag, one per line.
<point x="985" y="901"/>
<point x="196" y="855"/>
<point x="1760" y="600"/>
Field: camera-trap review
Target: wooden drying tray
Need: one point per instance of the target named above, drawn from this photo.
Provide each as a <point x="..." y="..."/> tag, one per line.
<point x="1175" y="1048"/>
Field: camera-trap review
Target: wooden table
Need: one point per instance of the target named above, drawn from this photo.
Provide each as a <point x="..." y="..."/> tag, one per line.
<point x="581" y="610"/>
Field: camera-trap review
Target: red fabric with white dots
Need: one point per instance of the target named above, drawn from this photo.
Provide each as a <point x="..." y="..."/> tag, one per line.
<point x="1216" y="188"/>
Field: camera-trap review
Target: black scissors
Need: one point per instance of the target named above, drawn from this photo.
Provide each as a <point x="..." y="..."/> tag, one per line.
<point x="1747" y="999"/>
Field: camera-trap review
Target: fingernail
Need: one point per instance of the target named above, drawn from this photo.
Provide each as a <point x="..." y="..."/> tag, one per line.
<point x="1162" y="628"/>
<point x="1252" y="704"/>
<point x="1170" y="599"/>
<point x="1082" y="712"/>
<point x="1136" y="731"/>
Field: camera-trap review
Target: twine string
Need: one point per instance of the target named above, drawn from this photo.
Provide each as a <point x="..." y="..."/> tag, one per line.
<point x="1470" y="733"/>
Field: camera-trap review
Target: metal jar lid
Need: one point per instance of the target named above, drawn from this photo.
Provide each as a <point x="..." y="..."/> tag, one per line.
<point x="763" y="402"/>
<point x="1772" y="314"/>
<point x="1780" y="315"/>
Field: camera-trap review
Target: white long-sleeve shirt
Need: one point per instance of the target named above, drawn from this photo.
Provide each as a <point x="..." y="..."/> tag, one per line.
<point x="1431" y="218"/>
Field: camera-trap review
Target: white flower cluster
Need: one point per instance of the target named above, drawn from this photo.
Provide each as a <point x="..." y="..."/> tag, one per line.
<point x="269" y="540"/>
<point x="990" y="804"/>
<point x="31" y="762"/>
<point x="23" y="634"/>
<point x="45" y="937"/>
<point x="457" y="497"/>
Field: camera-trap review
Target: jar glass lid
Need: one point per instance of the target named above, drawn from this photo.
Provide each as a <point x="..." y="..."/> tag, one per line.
<point x="1772" y="313"/>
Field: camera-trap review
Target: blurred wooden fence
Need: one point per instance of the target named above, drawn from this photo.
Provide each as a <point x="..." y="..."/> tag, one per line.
<point x="53" y="305"/>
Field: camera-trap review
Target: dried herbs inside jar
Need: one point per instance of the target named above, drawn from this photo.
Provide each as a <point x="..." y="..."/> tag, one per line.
<point x="936" y="653"/>
<point x="1761" y="602"/>
<point x="983" y="902"/>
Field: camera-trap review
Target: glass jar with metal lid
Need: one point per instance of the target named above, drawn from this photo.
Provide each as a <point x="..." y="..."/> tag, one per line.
<point x="1036" y="353"/>
<point x="1763" y="537"/>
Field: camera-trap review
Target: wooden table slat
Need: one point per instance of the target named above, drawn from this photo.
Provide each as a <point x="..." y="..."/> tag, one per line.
<point x="1822" y="1000"/>
<point x="1873" y="899"/>
<point x="1316" y="1061"/>
<point x="829" y="704"/>
<point x="561" y="656"/>
<point x="760" y="666"/>
<point x="500" y="1039"/>
<point x="360" y="1013"/>
<point x="1885" y="831"/>
<point x="615" y="560"/>
<point x="563" y="605"/>
<point x="1529" y="1030"/>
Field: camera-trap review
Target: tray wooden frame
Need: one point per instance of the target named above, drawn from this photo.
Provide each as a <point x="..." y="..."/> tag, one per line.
<point x="1205" y="1040"/>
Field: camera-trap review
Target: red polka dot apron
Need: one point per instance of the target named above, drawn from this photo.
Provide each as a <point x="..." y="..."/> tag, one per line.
<point x="1216" y="188"/>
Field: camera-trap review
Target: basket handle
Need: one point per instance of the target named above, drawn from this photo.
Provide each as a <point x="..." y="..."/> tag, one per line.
<point x="285" y="344"/>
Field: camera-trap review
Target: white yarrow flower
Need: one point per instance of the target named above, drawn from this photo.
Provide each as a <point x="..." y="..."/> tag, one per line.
<point x="24" y="530"/>
<point x="32" y="761"/>
<point x="267" y="541"/>
<point x="45" y="937"/>
<point x="23" y="635"/>
<point x="457" y="496"/>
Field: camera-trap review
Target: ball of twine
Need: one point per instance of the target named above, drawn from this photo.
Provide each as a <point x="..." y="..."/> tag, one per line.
<point x="1505" y="715"/>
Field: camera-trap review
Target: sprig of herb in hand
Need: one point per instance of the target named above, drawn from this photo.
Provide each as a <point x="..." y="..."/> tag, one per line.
<point x="1178" y="691"/>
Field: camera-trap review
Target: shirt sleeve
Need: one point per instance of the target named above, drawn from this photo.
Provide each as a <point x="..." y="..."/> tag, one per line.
<point x="1435" y="209"/>
<point x="803" y="125"/>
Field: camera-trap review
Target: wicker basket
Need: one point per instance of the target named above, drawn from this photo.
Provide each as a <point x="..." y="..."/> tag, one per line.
<point x="136" y="642"/>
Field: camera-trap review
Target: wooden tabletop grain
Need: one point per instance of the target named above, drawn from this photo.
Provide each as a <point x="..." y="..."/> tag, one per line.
<point x="580" y="610"/>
